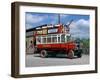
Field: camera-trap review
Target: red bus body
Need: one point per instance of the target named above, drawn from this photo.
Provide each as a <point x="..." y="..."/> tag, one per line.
<point x="58" y="47"/>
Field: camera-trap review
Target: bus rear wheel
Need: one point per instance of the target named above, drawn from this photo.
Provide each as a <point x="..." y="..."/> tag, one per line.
<point x="71" y="54"/>
<point x="43" y="54"/>
<point x="79" y="53"/>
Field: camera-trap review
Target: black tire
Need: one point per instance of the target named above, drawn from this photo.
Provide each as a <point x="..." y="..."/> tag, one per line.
<point x="79" y="54"/>
<point x="71" y="54"/>
<point x="43" y="54"/>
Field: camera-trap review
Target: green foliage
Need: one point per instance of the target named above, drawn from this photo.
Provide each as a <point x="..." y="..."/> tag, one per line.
<point x="86" y="43"/>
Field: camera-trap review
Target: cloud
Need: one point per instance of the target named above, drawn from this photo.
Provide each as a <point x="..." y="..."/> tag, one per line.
<point x="54" y="20"/>
<point x="33" y="18"/>
<point x="80" y="28"/>
<point x="28" y="26"/>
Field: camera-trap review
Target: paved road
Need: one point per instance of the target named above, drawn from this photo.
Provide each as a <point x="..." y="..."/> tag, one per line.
<point x="36" y="60"/>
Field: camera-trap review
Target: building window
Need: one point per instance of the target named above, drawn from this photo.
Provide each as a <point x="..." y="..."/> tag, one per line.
<point x="39" y="32"/>
<point x="44" y="31"/>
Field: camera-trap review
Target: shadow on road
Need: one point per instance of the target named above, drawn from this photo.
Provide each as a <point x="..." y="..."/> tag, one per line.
<point x="57" y="56"/>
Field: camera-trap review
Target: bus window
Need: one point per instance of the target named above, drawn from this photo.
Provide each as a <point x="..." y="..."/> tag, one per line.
<point x="43" y="39"/>
<point x="58" y="38"/>
<point x="63" y="38"/>
<point x="31" y="42"/>
<point x="68" y="38"/>
<point x="38" y="40"/>
<point x="49" y="39"/>
<point x="54" y="39"/>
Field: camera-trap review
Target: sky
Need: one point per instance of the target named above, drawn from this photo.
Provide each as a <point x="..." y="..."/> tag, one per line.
<point x="79" y="27"/>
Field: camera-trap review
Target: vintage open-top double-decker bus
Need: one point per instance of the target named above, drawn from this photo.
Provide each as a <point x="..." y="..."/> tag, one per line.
<point x="56" y="39"/>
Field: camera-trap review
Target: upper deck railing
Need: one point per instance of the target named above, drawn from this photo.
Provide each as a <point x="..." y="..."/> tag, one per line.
<point x="52" y="38"/>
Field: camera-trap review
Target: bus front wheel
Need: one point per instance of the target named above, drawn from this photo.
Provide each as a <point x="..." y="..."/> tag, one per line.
<point x="43" y="53"/>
